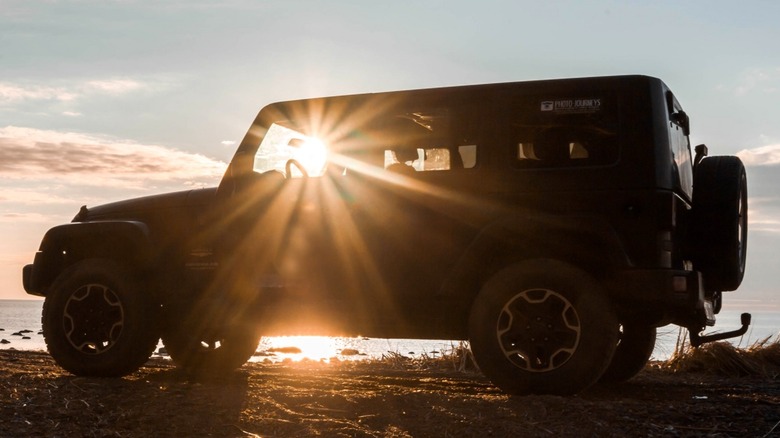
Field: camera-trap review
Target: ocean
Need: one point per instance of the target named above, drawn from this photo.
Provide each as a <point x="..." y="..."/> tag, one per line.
<point x="20" y="329"/>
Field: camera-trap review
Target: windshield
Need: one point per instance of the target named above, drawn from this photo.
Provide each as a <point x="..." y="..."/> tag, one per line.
<point x="282" y="144"/>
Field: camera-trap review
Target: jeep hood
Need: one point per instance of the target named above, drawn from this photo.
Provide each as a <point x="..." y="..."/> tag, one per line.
<point x="139" y="208"/>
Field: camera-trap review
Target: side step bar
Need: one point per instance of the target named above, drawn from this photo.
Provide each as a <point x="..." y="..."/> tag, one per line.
<point x="697" y="339"/>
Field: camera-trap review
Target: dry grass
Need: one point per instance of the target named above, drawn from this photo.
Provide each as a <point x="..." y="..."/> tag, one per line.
<point x="761" y="359"/>
<point x="458" y="358"/>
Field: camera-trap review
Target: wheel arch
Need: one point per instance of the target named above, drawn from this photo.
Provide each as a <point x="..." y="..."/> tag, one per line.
<point x="125" y="242"/>
<point x="588" y="243"/>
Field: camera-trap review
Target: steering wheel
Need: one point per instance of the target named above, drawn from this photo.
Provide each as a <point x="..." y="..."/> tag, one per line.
<point x="293" y="162"/>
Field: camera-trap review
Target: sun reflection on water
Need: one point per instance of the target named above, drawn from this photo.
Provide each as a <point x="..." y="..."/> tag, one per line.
<point x="296" y="348"/>
<point x="325" y="349"/>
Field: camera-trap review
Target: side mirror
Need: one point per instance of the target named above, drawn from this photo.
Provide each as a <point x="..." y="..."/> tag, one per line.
<point x="701" y="152"/>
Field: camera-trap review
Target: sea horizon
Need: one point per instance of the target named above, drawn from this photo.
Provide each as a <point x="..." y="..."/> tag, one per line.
<point x="20" y="329"/>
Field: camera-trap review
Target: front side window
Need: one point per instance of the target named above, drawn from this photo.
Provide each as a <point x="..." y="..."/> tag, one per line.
<point x="285" y="148"/>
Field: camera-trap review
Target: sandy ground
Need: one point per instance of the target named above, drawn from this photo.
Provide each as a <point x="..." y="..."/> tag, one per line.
<point x="368" y="399"/>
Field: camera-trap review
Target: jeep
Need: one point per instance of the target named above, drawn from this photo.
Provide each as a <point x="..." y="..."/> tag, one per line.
<point x="554" y="224"/>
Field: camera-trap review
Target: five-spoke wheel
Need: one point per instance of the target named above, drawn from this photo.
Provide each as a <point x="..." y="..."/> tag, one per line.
<point x="538" y="330"/>
<point x="98" y="320"/>
<point x="93" y="318"/>
<point x="542" y="326"/>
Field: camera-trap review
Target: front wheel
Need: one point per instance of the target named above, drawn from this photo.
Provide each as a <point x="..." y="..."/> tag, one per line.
<point x="542" y="327"/>
<point x="97" y="321"/>
<point x="195" y="351"/>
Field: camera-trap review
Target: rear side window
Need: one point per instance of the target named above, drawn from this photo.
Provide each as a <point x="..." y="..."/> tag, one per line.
<point x="558" y="132"/>
<point x="428" y="140"/>
<point x="432" y="159"/>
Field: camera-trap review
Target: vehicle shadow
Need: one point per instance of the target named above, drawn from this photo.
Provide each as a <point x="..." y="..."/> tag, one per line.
<point x="158" y="400"/>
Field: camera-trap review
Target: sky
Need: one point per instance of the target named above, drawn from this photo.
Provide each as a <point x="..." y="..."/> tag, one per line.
<point x="107" y="100"/>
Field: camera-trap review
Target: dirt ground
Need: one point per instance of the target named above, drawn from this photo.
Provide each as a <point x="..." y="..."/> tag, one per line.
<point x="368" y="399"/>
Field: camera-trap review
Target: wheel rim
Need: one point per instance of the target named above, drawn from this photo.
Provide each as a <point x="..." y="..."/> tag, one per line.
<point x="93" y="319"/>
<point x="190" y="344"/>
<point x="206" y="346"/>
<point x="742" y="226"/>
<point x="538" y="330"/>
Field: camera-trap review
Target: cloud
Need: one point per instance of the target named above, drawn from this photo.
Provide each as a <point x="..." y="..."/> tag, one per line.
<point x="28" y="154"/>
<point x="11" y="93"/>
<point x="764" y="213"/>
<point x="14" y="93"/>
<point x="761" y="156"/>
<point x="763" y="197"/>
<point x="45" y="194"/>
<point x="26" y="217"/>
<point x="116" y="86"/>
<point x="46" y="175"/>
<point x="763" y="80"/>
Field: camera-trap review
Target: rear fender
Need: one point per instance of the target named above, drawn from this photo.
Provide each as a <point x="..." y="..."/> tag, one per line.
<point x="587" y="242"/>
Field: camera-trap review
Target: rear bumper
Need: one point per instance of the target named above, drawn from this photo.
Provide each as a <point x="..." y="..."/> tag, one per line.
<point x="676" y="294"/>
<point x="675" y="287"/>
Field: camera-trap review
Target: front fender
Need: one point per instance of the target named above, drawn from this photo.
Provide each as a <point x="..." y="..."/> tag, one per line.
<point x="126" y="242"/>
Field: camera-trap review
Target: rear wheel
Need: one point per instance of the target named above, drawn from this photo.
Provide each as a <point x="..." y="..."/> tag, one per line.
<point x="97" y="320"/>
<point x="635" y="346"/>
<point x="720" y="222"/>
<point x="542" y="327"/>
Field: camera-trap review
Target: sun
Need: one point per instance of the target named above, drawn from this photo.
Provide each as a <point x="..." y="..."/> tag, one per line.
<point x="312" y="154"/>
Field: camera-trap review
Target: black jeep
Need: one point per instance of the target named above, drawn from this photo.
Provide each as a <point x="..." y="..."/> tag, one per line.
<point x="553" y="224"/>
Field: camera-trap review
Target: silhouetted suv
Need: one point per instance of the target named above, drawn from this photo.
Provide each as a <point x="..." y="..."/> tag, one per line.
<point x="553" y="224"/>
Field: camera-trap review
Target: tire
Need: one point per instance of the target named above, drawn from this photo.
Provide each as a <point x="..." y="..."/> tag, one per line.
<point x="542" y="327"/>
<point x="201" y="354"/>
<point x="720" y="222"/>
<point x="635" y="346"/>
<point x="97" y="321"/>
